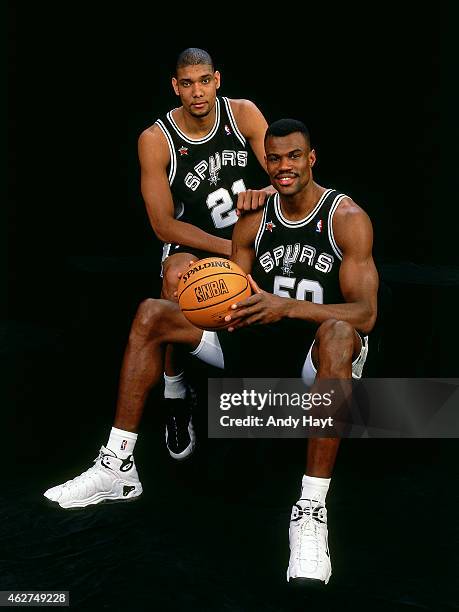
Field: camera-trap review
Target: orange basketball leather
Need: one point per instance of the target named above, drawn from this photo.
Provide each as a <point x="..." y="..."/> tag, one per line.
<point x="207" y="290"/>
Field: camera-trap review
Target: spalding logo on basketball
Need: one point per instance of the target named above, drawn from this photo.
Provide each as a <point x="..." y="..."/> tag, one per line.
<point x="207" y="290"/>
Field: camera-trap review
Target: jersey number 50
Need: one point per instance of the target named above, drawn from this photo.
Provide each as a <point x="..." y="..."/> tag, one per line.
<point x="220" y="204"/>
<point x="309" y="290"/>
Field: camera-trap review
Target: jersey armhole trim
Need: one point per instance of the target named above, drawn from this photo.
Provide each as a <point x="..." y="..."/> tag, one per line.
<point x="331" y="236"/>
<point x="173" y="167"/>
<point x="236" y="130"/>
<point x="262" y="225"/>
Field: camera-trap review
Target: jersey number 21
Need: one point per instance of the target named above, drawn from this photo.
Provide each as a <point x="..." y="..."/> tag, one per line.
<point x="220" y="204"/>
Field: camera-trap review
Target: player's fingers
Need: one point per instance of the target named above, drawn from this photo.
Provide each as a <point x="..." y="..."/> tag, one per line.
<point x="242" y="313"/>
<point x="259" y="200"/>
<point x="240" y="200"/>
<point x="240" y="305"/>
<point x="253" y="320"/>
<point x="235" y="325"/>
<point x="253" y="284"/>
<point x="253" y="299"/>
<point x="190" y="263"/>
<point x="248" y="200"/>
<point x="232" y="317"/>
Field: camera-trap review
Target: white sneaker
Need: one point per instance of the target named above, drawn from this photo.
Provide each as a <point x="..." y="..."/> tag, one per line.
<point x="111" y="478"/>
<point x="308" y="534"/>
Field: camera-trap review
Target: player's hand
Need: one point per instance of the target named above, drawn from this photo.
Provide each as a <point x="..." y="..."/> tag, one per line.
<point x="250" y="200"/>
<point x="258" y="309"/>
<point x="180" y="274"/>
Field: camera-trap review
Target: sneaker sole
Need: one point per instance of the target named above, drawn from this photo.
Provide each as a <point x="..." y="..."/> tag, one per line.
<point x="303" y="582"/>
<point x="188" y="450"/>
<point x="306" y="583"/>
<point x="105" y="497"/>
<point x="184" y="454"/>
<point x="102" y="502"/>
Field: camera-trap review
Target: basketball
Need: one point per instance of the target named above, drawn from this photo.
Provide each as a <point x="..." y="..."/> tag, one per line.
<point x="208" y="288"/>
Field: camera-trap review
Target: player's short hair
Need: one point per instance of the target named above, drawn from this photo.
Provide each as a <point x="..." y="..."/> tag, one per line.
<point x="192" y="57"/>
<point x="284" y="127"/>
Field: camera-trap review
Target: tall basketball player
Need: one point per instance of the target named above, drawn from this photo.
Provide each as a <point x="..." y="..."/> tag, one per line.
<point x="315" y="299"/>
<point x="194" y="170"/>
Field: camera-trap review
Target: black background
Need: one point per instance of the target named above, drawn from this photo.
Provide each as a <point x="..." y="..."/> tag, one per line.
<point x="376" y="90"/>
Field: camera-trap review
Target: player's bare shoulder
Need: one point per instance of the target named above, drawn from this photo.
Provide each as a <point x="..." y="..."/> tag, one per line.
<point x="351" y="224"/>
<point x="248" y="116"/>
<point x="242" y="106"/>
<point x="153" y="146"/>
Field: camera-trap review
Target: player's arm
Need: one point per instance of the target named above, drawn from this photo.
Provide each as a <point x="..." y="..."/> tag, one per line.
<point x="358" y="277"/>
<point x="252" y="125"/>
<point x="243" y="240"/>
<point x="154" y="158"/>
<point x="358" y="282"/>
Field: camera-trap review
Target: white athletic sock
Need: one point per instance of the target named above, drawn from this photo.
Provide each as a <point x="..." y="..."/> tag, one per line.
<point x="315" y="488"/>
<point x="121" y="442"/>
<point x="175" y="386"/>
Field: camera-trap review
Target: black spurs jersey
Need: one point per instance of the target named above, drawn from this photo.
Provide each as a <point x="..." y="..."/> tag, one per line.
<point x="206" y="174"/>
<point x="299" y="259"/>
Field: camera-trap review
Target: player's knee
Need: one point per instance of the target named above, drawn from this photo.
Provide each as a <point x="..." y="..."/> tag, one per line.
<point x="147" y="317"/>
<point x="170" y="280"/>
<point x="335" y="349"/>
<point x="333" y="332"/>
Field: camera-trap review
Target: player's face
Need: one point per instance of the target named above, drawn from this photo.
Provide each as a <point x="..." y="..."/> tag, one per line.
<point x="289" y="161"/>
<point x="197" y="87"/>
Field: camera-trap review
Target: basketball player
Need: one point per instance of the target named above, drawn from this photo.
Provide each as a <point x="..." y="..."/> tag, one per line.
<point x="310" y="252"/>
<point x="194" y="170"/>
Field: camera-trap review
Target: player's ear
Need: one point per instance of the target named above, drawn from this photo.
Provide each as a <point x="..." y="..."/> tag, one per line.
<point x="217" y="78"/>
<point x="312" y="157"/>
<point x="175" y="86"/>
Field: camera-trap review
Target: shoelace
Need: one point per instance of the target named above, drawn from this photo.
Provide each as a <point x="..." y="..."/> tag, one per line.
<point x="308" y="524"/>
<point x="174" y="428"/>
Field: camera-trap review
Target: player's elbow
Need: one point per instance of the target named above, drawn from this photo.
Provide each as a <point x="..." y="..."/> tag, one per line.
<point x="368" y="319"/>
<point x="162" y="231"/>
<point x="160" y="234"/>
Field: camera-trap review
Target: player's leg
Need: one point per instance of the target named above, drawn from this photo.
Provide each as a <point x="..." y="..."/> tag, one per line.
<point x="157" y="323"/>
<point x="331" y="358"/>
<point x="171" y="267"/>
<point x="179" y="397"/>
<point x="114" y="476"/>
<point x="335" y="346"/>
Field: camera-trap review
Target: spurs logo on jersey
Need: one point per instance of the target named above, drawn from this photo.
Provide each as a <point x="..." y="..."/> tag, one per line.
<point x="206" y="181"/>
<point x="213" y="166"/>
<point x="294" y="259"/>
<point x="290" y="254"/>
